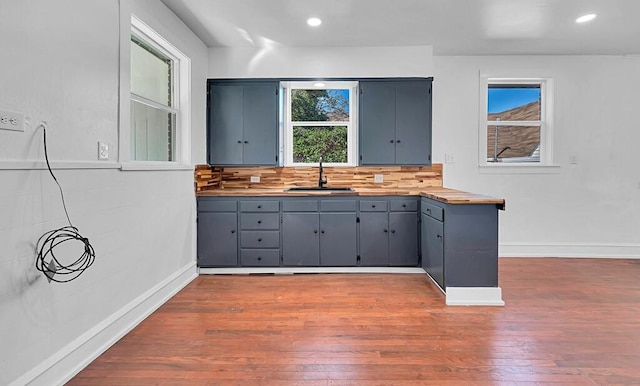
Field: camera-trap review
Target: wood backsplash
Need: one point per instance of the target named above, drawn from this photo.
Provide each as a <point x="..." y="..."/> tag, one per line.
<point x="208" y="178"/>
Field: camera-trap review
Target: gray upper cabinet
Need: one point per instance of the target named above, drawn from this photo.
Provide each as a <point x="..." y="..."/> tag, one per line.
<point x="243" y="122"/>
<point x="395" y="122"/>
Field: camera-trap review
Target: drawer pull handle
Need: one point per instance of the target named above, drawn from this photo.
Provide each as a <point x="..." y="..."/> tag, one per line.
<point x="393" y="231"/>
<point x="259" y="221"/>
<point x="404" y="205"/>
<point x="259" y="258"/>
<point x="315" y="231"/>
<point x="259" y="206"/>
<point x="259" y="240"/>
<point x="246" y="141"/>
<point x="321" y="231"/>
<point x="385" y="231"/>
<point x="239" y="141"/>
<point x="438" y="236"/>
<point x="397" y="141"/>
<point x="373" y="206"/>
<point x="428" y="210"/>
<point x="233" y="231"/>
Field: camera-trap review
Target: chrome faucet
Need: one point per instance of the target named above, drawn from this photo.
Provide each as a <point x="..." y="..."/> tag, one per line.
<point x="321" y="182"/>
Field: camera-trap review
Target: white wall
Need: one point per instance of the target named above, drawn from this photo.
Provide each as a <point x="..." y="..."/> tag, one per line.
<point x="591" y="208"/>
<point x="320" y="62"/>
<point x="65" y="70"/>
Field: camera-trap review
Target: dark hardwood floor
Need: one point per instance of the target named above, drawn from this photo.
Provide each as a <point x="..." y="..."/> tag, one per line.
<point x="566" y="321"/>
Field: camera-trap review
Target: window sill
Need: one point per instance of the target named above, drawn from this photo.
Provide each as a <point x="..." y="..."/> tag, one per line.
<point x="519" y="169"/>
<point x="151" y="166"/>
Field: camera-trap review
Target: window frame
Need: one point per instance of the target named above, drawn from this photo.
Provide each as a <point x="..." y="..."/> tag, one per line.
<point x="352" y="124"/>
<point x="181" y="96"/>
<point x="545" y="123"/>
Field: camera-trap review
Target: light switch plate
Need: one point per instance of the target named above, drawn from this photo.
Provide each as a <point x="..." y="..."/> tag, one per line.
<point x="449" y="158"/>
<point x="378" y="178"/>
<point x="10" y="120"/>
<point x="255" y="178"/>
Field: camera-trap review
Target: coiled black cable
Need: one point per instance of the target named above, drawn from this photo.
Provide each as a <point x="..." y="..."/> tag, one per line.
<point x="46" y="260"/>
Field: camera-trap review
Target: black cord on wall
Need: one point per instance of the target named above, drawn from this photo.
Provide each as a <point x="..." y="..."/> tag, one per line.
<point x="46" y="260"/>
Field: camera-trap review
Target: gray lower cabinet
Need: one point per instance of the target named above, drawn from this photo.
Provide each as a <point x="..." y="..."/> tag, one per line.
<point x="300" y="239"/>
<point x="217" y="233"/>
<point x="432" y="234"/>
<point x="389" y="232"/>
<point x="260" y="233"/>
<point x="460" y="243"/>
<point x="319" y="232"/>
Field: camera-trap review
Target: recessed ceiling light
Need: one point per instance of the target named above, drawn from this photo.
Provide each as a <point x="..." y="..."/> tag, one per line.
<point x="318" y="84"/>
<point x="314" y="21"/>
<point x="586" y="18"/>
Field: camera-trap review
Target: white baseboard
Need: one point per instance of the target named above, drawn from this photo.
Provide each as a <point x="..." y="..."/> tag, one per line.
<point x="474" y="296"/>
<point x="71" y="359"/>
<point x="592" y="250"/>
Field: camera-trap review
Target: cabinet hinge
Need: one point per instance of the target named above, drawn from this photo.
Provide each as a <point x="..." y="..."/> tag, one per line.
<point x="429" y="157"/>
<point x="358" y="220"/>
<point x="360" y="157"/>
<point x="358" y="259"/>
<point x="360" y="91"/>
<point x="276" y="158"/>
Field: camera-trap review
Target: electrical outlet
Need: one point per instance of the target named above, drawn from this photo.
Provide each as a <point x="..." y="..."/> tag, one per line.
<point x="103" y="151"/>
<point x="378" y="178"/>
<point x="449" y="158"/>
<point x="11" y="121"/>
<point x="573" y="159"/>
<point x="255" y="178"/>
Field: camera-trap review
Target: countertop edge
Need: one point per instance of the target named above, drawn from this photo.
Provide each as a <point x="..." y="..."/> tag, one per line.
<point x="444" y="195"/>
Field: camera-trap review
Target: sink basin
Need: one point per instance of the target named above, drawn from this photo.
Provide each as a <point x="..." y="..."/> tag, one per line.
<point x="319" y="189"/>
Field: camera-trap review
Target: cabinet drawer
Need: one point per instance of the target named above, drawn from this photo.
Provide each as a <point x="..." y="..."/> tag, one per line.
<point x="259" y="206"/>
<point x="299" y="205"/>
<point x="260" y="257"/>
<point x="338" y="205"/>
<point x="432" y="211"/>
<point x="373" y="206"/>
<point x="403" y="205"/>
<point x="257" y="221"/>
<point x="259" y="239"/>
<point x="217" y="205"/>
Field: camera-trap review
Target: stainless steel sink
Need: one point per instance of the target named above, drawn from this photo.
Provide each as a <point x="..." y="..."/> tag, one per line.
<point x="319" y="189"/>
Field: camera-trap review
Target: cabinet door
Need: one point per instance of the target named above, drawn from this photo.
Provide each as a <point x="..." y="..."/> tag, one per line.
<point x="433" y="248"/>
<point x="260" y="123"/>
<point x="338" y="244"/>
<point x="377" y="123"/>
<point x="300" y="239"/>
<point x="403" y="239"/>
<point x="225" y="124"/>
<point x="413" y="123"/>
<point x="374" y="239"/>
<point x="217" y="239"/>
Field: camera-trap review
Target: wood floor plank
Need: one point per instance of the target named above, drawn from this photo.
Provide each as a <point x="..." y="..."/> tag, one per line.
<point x="566" y="322"/>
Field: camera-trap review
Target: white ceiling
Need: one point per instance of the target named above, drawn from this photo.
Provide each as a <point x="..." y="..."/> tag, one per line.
<point x="452" y="27"/>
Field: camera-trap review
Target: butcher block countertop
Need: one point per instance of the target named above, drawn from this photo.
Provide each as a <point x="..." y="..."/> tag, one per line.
<point x="445" y="195"/>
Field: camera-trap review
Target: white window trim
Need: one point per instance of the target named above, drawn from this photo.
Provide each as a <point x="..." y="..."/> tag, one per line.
<point x="181" y="103"/>
<point x="546" y="127"/>
<point x="352" y="125"/>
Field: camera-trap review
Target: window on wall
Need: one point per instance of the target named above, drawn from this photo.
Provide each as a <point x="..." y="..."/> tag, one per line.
<point x="320" y="122"/>
<point x="159" y="82"/>
<point x="516" y="123"/>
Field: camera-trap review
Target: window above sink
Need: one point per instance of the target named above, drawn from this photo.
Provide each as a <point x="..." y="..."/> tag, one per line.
<point x="320" y="121"/>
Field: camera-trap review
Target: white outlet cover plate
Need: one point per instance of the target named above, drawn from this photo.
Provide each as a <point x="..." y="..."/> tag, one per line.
<point x="255" y="178"/>
<point x="378" y="178"/>
<point x="10" y="120"/>
<point x="103" y="151"/>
